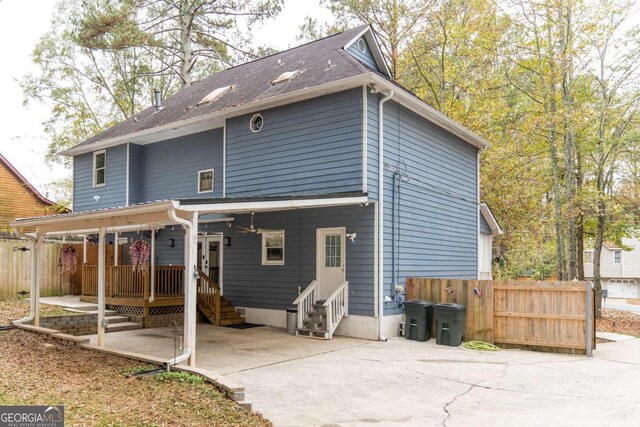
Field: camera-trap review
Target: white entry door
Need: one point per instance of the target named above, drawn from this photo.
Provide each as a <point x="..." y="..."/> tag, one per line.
<point x="330" y="259"/>
<point x="210" y="257"/>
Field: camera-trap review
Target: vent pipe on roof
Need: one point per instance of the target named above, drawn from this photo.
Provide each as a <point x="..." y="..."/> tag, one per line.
<point x="158" y="100"/>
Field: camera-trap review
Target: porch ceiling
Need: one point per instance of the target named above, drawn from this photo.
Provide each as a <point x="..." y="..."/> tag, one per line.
<point x="156" y="214"/>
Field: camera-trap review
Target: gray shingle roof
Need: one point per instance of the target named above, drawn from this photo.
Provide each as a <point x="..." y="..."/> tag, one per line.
<point x="251" y="82"/>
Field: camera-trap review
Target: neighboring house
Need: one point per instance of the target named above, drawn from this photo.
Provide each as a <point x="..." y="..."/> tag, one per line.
<point x="619" y="268"/>
<point x="18" y="198"/>
<point x="489" y="227"/>
<point x="306" y="176"/>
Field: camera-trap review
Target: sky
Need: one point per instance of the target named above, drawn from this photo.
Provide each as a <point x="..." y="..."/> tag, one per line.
<point x="22" y="22"/>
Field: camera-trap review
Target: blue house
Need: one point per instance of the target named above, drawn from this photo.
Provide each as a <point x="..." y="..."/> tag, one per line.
<point x="307" y="178"/>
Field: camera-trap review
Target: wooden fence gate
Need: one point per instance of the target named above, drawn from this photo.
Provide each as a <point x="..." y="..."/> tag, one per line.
<point x="548" y="316"/>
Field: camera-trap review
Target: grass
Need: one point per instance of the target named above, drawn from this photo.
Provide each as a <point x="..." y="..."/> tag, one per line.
<point x="99" y="389"/>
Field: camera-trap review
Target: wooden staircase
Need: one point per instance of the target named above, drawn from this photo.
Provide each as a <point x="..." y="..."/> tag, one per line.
<point x="216" y="308"/>
<point x="314" y="323"/>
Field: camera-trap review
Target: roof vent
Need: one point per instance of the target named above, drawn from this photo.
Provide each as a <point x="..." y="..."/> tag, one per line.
<point x="213" y="95"/>
<point x="286" y="77"/>
<point x="279" y="62"/>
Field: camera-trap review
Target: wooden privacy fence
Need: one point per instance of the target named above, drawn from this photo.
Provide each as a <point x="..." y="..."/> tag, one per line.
<point x="550" y="316"/>
<point x="15" y="269"/>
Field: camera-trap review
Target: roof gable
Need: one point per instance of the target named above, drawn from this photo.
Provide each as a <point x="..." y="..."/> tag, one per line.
<point x="23" y="181"/>
<point x="365" y="48"/>
<point x="491" y="221"/>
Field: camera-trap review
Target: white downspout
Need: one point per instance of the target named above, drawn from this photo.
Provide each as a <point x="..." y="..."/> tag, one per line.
<point x="381" y="213"/>
<point x="152" y="294"/>
<point x="34" y="306"/>
<point x="189" y="294"/>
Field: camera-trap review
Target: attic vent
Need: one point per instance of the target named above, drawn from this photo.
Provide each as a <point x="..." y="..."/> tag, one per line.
<point x="213" y="95"/>
<point x="285" y="77"/>
<point x="362" y="45"/>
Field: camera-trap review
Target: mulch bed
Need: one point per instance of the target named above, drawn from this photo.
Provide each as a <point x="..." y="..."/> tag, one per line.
<point x="98" y="389"/>
<point x="619" y="321"/>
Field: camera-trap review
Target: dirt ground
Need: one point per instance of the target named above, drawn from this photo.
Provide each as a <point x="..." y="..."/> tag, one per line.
<point x="620" y="322"/>
<point x="99" y="390"/>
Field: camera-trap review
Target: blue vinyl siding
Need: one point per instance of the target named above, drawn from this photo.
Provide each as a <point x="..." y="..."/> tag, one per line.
<point x="247" y="283"/>
<point x="435" y="207"/>
<point x="112" y="193"/>
<point x="135" y="173"/>
<point x="372" y="145"/>
<point x="170" y="168"/>
<point x="484" y="227"/>
<point x="310" y="147"/>
<point x="365" y="57"/>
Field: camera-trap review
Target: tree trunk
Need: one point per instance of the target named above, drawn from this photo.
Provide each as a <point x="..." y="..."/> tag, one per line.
<point x="186" y="49"/>
<point x="579" y="217"/>
<point x="597" y="281"/>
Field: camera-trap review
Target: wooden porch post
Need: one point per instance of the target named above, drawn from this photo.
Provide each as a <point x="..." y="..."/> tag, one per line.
<point x="101" y="273"/>
<point x="153" y="265"/>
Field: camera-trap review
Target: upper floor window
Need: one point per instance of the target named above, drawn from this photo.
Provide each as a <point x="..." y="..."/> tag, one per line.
<point x="99" y="168"/>
<point x="273" y="247"/>
<point x="205" y="181"/>
<point x="588" y="257"/>
<point x="617" y="257"/>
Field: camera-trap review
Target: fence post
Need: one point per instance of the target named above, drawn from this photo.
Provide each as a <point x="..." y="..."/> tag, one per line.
<point x="589" y="320"/>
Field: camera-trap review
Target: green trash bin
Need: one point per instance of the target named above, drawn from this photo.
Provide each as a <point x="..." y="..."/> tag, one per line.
<point x="449" y="323"/>
<point x="418" y="320"/>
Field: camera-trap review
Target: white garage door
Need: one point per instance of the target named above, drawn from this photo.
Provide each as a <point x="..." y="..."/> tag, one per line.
<point x="622" y="289"/>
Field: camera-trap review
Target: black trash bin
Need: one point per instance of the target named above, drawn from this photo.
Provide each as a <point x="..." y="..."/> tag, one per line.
<point x="419" y="319"/>
<point x="449" y="323"/>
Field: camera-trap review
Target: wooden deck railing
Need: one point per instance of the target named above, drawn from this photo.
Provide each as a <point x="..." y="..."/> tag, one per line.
<point x="305" y="300"/>
<point x="209" y="298"/>
<point x="337" y="307"/>
<point x="122" y="282"/>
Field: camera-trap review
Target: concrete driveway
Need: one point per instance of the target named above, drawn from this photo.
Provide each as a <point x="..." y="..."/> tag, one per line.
<point x="621" y="304"/>
<point x="301" y="382"/>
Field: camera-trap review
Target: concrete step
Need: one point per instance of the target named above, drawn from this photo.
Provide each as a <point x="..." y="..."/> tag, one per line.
<point x="117" y="319"/>
<point x="106" y="312"/>
<point x="311" y="333"/>
<point x="124" y="326"/>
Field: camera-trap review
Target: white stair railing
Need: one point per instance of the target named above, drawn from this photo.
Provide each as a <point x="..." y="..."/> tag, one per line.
<point x="337" y="307"/>
<point x="305" y="300"/>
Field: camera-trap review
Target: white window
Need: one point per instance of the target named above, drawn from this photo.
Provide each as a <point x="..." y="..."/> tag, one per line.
<point x="273" y="247"/>
<point x="205" y="181"/>
<point x="256" y="122"/>
<point x="617" y="257"/>
<point x="99" y="168"/>
<point x="588" y="257"/>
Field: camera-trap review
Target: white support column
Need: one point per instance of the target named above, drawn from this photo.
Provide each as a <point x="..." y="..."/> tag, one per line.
<point x="35" y="287"/>
<point x="190" y="255"/>
<point x="116" y="249"/>
<point x="153" y="266"/>
<point x="101" y="285"/>
<point x="84" y="249"/>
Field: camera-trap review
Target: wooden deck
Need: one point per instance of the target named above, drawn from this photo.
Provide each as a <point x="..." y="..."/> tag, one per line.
<point x="125" y="287"/>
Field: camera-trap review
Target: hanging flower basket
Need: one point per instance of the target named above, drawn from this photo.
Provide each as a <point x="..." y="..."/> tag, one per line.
<point x="140" y="251"/>
<point x="67" y="260"/>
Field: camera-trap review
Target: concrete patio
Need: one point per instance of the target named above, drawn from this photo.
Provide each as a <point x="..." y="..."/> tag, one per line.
<point x="299" y="382"/>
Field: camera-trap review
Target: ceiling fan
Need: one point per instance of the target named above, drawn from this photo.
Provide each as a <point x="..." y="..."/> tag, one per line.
<point x="251" y="229"/>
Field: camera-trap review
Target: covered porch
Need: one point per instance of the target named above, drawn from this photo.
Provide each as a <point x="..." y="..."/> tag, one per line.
<point x="185" y="285"/>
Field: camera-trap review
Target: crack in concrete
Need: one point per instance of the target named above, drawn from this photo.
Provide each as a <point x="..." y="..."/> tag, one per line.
<point x="291" y="359"/>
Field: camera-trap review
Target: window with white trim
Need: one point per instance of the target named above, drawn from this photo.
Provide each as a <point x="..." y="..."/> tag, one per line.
<point x="617" y="257"/>
<point x="588" y="257"/>
<point x="99" y="168"/>
<point x="205" y="181"/>
<point x="273" y="247"/>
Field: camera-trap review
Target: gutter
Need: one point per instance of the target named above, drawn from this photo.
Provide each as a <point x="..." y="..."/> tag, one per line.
<point x="380" y="207"/>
